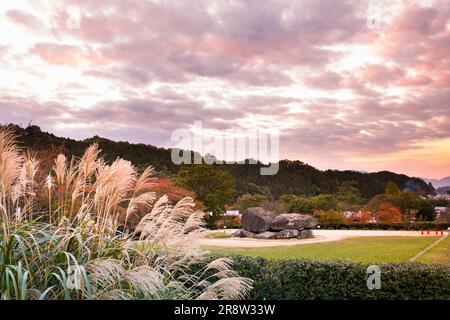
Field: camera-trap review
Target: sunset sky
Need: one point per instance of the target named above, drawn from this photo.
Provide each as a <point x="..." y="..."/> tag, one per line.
<point x="361" y="85"/>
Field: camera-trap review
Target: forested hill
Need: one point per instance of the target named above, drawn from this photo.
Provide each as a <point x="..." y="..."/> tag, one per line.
<point x="294" y="177"/>
<point x="141" y="155"/>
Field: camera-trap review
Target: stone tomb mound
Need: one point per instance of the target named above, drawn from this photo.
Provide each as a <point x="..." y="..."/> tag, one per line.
<point x="259" y="223"/>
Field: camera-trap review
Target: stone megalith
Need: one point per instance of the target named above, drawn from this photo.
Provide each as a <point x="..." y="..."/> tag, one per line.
<point x="256" y="219"/>
<point x="293" y="221"/>
<point x="306" y="234"/>
<point x="241" y="233"/>
<point x="266" y="235"/>
<point x="288" y="234"/>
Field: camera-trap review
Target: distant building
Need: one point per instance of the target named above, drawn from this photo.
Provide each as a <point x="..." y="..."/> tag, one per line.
<point x="440" y="210"/>
<point x="442" y="196"/>
<point x="353" y="214"/>
<point x="358" y="216"/>
<point x="348" y="214"/>
<point x="232" y="213"/>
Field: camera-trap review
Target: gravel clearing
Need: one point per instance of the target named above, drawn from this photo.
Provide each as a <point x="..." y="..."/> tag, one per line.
<point x="319" y="237"/>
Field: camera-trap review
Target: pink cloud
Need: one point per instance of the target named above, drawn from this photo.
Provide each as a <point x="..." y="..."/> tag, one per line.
<point x="24" y="20"/>
<point x="325" y="80"/>
<point x="379" y="74"/>
<point x="413" y="81"/>
<point x="415" y="21"/>
<point x="57" y="54"/>
<point x="71" y="55"/>
<point x="224" y="62"/>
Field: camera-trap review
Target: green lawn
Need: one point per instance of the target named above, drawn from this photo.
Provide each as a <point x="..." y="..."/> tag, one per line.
<point x="438" y="254"/>
<point x="362" y="249"/>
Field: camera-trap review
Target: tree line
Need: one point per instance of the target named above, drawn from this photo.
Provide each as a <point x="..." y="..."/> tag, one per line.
<point x="297" y="186"/>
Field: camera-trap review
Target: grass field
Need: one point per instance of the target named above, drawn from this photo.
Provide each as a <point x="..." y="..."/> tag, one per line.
<point x="438" y="254"/>
<point x="361" y="249"/>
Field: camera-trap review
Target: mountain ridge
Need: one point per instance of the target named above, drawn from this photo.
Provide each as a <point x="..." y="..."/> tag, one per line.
<point x="294" y="176"/>
<point x="438" y="183"/>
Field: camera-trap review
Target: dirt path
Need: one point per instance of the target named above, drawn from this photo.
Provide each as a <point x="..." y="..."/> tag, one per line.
<point x="320" y="236"/>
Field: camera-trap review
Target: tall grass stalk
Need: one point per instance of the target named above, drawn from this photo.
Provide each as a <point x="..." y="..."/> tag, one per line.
<point x="60" y="237"/>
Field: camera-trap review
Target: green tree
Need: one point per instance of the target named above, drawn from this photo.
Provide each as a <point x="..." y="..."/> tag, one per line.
<point x="426" y="211"/>
<point x="324" y="202"/>
<point x="329" y="218"/>
<point x="214" y="188"/>
<point x="250" y="200"/>
<point x="300" y="205"/>
<point x="348" y="196"/>
<point x="376" y="201"/>
<point x="407" y="202"/>
<point x="348" y="192"/>
<point x="285" y="200"/>
<point x="253" y="188"/>
<point x="392" y="190"/>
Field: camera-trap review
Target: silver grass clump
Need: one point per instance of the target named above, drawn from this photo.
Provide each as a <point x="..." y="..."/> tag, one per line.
<point x="59" y="237"/>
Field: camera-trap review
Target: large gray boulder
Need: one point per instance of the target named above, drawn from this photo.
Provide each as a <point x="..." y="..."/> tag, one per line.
<point x="256" y="219"/>
<point x="293" y="221"/>
<point x="288" y="234"/>
<point x="241" y="233"/>
<point x="306" y="234"/>
<point x="266" y="235"/>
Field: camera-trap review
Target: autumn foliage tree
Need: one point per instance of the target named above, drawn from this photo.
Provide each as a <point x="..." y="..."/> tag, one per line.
<point x="161" y="187"/>
<point x="168" y="187"/>
<point x="388" y="214"/>
<point x="47" y="160"/>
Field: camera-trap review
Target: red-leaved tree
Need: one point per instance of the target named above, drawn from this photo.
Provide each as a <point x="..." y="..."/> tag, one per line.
<point x="388" y="214"/>
<point x="168" y="187"/>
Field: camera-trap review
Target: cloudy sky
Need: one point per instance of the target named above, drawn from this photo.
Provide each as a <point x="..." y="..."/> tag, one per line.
<point x="360" y="85"/>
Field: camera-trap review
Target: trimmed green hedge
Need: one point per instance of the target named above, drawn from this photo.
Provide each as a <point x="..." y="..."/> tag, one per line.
<point x="401" y="226"/>
<point x="303" y="279"/>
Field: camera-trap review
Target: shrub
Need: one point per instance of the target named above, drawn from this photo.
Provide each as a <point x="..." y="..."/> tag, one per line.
<point x="397" y="226"/>
<point x="321" y="279"/>
<point x="329" y="217"/>
<point x="228" y="222"/>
